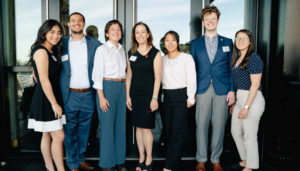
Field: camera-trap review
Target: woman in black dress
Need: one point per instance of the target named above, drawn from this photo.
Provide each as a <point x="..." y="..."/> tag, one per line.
<point x="45" y="113"/>
<point x="142" y="87"/>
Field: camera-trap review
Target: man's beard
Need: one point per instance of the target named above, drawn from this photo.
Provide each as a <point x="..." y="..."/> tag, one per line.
<point x="77" y="32"/>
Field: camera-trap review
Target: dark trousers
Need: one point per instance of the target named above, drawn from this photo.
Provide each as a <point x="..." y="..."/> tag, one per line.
<point x="79" y="112"/>
<point x="175" y="111"/>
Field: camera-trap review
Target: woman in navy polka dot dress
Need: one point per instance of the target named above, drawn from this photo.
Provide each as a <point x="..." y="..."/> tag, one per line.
<point x="247" y="68"/>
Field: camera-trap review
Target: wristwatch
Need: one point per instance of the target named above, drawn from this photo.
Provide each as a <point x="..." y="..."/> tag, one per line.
<point x="246" y="106"/>
<point x="155" y="97"/>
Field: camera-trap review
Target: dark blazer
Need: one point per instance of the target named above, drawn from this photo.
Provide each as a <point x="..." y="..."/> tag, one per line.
<point x="65" y="74"/>
<point x="219" y="71"/>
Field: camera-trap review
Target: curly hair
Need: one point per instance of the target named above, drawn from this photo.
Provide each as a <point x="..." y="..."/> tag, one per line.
<point x="209" y="9"/>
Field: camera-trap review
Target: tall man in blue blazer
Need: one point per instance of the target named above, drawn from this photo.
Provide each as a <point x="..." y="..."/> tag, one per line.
<point x="76" y="87"/>
<point x="215" y="91"/>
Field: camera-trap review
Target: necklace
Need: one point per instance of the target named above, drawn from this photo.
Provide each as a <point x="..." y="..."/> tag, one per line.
<point x="147" y="50"/>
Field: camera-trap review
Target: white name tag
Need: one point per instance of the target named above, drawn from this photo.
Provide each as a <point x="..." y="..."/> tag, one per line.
<point x="132" y="58"/>
<point x="64" y="58"/>
<point x="54" y="58"/>
<point x="226" y="48"/>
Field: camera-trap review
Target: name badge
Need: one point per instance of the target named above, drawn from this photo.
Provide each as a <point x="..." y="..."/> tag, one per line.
<point x="226" y="48"/>
<point x="64" y="58"/>
<point x="54" y="58"/>
<point x="132" y="58"/>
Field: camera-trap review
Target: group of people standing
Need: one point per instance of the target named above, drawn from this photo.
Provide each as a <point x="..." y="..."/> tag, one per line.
<point x="77" y="73"/>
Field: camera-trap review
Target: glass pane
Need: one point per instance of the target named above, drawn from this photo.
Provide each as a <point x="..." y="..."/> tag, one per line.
<point x="230" y="20"/>
<point x="25" y="88"/>
<point x="29" y="140"/>
<point x="28" y="20"/>
<point x="168" y="15"/>
<point x="96" y="12"/>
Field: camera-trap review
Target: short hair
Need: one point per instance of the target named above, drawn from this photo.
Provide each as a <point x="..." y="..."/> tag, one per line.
<point x="210" y="9"/>
<point x="76" y="13"/>
<point x="110" y="23"/>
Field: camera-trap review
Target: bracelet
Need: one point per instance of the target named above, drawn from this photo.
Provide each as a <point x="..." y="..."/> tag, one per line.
<point x="155" y="97"/>
<point x="246" y="106"/>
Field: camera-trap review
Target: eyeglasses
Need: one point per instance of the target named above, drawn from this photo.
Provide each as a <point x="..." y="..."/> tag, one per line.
<point x="241" y="38"/>
<point x="210" y="19"/>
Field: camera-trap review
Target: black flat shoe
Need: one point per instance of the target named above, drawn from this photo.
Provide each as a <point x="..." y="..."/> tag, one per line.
<point x="108" y="169"/>
<point x="236" y="166"/>
<point x="148" y="167"/>
<point x="140" y="165"/>
<point x="121" y="167"/>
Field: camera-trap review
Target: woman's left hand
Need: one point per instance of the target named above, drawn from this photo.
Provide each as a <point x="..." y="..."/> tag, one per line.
<point x="153" y="105"/>
<point x="243" y="113"/>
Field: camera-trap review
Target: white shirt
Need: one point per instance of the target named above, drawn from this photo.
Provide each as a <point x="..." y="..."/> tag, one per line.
<point x="79" y="64"/>
<point x="109" y="62"/>
<point x="180" y="73"/>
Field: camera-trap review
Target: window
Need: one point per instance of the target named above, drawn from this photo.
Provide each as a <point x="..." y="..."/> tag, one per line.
<point x="28" y="18"/>
<point x="232" y="17"/>
<point x="168" y="15"/>
<point x="96" y="12"/>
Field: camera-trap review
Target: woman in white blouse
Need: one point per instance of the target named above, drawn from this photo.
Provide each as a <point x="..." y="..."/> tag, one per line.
<point x="109" y="76"/>
<point x="179" y="88"/>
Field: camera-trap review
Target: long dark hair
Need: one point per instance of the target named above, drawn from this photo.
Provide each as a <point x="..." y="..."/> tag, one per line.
<point x="134" y="43"/>
<point x="175" y="35"/>
<point x="41" y="37"/>
<point x="236" y="52"/>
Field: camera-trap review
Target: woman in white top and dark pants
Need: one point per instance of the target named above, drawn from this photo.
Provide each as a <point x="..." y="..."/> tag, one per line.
<point x="179" y="88"/>
<point x="109" y="76"/>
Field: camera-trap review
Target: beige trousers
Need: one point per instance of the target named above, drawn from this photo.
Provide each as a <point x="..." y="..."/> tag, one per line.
<point x="244" y="131"/>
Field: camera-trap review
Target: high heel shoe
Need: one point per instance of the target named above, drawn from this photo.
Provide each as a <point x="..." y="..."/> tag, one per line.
<point x="46" y="169"/>
<point x="140" y="165"/>
<point x="148" y="167"/>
